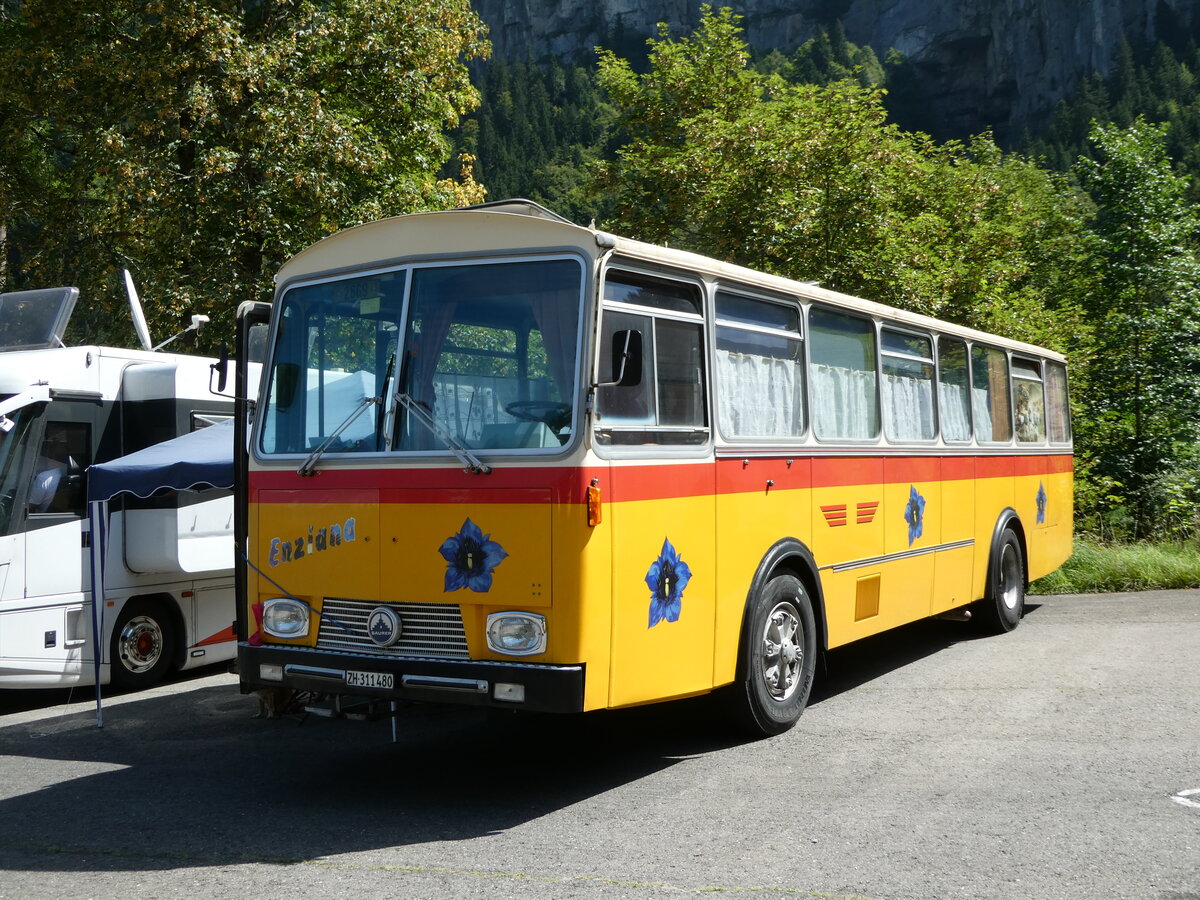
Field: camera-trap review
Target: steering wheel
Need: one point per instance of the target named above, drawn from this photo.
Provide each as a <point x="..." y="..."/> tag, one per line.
<point x="553" y="415"/>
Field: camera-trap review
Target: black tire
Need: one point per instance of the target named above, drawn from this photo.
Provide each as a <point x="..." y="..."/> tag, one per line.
<point x="778" y="658"/>
<point x="142" y="646"/>
<point x="1003" y="603"/>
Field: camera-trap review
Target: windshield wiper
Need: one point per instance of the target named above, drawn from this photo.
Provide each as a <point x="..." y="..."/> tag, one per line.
<point x="309" y="464"/>
<point x="465" y="456"/>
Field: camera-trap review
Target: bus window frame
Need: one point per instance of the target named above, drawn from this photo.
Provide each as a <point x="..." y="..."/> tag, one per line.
<point x="1038" y="363"/>
<point x="1066" y="401"/>
<point x="892" y="326"/>
<point x="623" y="265"/>
<point x="1005" y="354"/>
<point x="745" y="292"/>
<point x="874" y="321"/>
<point x="937" y="356"/>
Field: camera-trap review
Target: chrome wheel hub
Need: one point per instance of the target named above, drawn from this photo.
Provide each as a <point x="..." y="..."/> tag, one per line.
<point x="140" y="644"/>
<point x="782" y="651"/>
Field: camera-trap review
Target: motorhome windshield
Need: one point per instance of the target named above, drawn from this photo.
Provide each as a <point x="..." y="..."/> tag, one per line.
<point x="487" y="350"/>
<point x="14" y="471"/>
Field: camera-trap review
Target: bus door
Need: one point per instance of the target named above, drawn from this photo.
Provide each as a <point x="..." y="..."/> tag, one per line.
<point x="654" y="427"/>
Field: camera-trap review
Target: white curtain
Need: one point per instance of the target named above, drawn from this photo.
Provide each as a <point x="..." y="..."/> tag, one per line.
<point x="982" y="410"/>
<point x="908" y="408"/>
<point x="843" y="403"/>
<point x="956" y="425"/>
<point x="759" y="396"/>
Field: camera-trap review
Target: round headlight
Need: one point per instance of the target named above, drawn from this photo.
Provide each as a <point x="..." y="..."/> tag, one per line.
<point x="285" y="618"/>
<point x="516" y="634"/>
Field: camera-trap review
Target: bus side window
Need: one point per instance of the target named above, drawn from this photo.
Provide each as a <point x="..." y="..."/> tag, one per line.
<point x="907" y="386"/>
<point x="1029" y="401"/>
<point x="1058" y="413"/>
<point x="954" y="390"/>
<point x="990" y="402"/>
<point x="58" y="485"/>
<point x="845" y="404"/>
<point x="667" y="407"/>
<point x="760" y="369"/>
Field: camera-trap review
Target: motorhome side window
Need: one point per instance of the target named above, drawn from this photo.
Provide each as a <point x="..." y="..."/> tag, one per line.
<point x="57" y="486"/>
<point x="651" y="342"/>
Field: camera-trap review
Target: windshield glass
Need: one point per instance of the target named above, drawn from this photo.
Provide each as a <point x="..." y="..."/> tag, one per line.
<point x="490" y="354"/>
<point x="14" y="447"/>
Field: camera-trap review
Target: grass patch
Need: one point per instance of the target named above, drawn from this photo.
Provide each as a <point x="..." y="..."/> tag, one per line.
<point x="1096" y="568"/>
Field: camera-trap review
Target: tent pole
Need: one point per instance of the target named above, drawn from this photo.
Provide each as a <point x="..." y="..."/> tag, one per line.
<point x="97" y="513"/>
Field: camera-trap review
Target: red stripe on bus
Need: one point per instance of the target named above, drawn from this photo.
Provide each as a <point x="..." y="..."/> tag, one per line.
<point x="652" y="481"/>
<point x="219" y="638"/>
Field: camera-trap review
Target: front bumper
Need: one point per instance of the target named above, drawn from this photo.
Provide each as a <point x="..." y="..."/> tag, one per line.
<point x="547" y="688"/>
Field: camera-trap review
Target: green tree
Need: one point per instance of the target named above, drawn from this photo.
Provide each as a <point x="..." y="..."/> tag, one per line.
<point x="535" y="134"/>
<point x="1142" y="400"/>
<point x="201" y="142"/>
<point x="812" y="182"/>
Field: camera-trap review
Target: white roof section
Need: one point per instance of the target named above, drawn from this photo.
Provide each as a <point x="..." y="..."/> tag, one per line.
<point x="521" y="225"/>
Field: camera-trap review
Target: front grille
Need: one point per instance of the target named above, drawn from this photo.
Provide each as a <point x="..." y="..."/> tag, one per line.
<point x="430" y="629"/>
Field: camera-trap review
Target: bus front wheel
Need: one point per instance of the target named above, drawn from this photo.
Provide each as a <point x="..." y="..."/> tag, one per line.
<point x="1003" y="604"/>
<point x="142" y="644"/>
<point x="778" y="657"/>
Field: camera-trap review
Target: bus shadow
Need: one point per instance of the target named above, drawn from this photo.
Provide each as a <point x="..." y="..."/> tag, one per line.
<point x="191" y="779"/>
<point x="848" y="667"/>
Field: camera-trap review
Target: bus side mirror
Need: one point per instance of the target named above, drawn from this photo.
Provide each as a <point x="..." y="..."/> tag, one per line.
<point x="221" y="368"/>
<point x="626" y="359"/>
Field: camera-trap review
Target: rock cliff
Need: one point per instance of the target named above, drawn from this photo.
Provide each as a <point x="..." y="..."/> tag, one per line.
<point x="978" y="63"/>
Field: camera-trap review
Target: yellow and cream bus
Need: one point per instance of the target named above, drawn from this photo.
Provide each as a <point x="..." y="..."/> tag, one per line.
<point x="501" y="459"/>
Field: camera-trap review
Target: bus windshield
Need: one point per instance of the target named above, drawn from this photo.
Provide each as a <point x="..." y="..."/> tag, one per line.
<point x="488" y="355"/>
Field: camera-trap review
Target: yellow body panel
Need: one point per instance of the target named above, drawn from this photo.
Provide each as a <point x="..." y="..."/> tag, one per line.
<point x="667" y="658"/>
<point x="592" y="585"/>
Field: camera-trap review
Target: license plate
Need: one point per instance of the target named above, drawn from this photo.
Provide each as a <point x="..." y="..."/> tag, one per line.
<point x="384" y="680"/>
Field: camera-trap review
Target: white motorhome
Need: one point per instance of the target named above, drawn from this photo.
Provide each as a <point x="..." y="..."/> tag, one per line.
<point x="168" y="572"/>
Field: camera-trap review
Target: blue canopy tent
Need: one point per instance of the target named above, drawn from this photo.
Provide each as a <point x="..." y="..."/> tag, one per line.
<point x="200" y="460"/>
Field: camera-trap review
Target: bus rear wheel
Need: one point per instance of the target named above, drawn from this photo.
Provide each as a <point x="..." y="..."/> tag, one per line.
<point x="142" y="644"/>
<point x="778" y="657"/>
<point x="1003" y="605"/>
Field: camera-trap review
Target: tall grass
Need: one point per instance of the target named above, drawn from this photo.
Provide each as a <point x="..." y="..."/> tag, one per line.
<point x="1097" y="567"/>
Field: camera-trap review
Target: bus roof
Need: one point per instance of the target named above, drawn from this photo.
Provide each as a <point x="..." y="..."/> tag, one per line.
<point x="516" y="225"/>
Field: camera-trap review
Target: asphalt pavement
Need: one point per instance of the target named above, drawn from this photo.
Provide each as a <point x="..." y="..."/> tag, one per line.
<point x="1059" y="761"/>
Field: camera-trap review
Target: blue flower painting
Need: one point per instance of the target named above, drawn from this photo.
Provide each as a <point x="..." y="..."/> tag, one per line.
<point x="1041" y="503"/>
<point x="667" y="578"/>
<point x="471" y="557"/>
<point x="914" y="514"/>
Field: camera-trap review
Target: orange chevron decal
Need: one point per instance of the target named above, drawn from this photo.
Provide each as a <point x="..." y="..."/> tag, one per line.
<point x="835" y="515"/>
